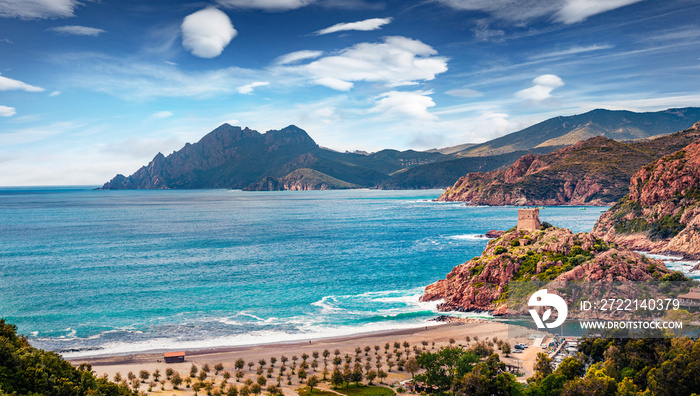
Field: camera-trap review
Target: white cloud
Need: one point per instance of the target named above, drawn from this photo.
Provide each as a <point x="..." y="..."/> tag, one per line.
<point x="6" y="111"/>
<point x="32" y="9"/>
<point x="464" y="93"/>
<point x="297" y="56"/>
<point x="54" y="94"/>
<point x="207" y="32"/>
<point x="77" y="30"/>
<point x="542" y="88"/>
<point x="405" y="104"/>
<point x="575" y="50"/>
<point x="160" y="115"/>
<point x="334" y="83"/>
<point x="565" y="11"/>
<point x="575" y="11"/>
<point x="366" y="25"/>
<point x="8" y="84"/>
<point x="394" y="62"/>
<point x="248" y="88"/>
<point x="267" y="5"/>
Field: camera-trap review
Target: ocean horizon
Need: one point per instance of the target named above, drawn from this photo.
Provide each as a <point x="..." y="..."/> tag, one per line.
<point x="88" y="272"/>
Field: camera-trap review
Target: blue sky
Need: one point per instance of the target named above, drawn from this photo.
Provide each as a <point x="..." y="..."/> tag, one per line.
<point x="89" y="88"/>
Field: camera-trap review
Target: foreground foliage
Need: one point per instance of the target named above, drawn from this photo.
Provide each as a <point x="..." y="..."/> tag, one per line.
<point x="25" y="370"/>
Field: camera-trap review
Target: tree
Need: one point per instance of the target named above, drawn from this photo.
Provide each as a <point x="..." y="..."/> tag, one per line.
<point x="570" y="368"/>
<point x="262" y="381"/>
<point x="357" y="374"/>
<point x="505" y="347"/>
<point x="193" y="370"/>
<point x="443" y="366"/>
<point x="301" y="374"/>
<point x="311" y="383"/>
<point x="382" y="375"/>
<point x="232" y="390"/>
<point x="176" y="380"/>
<point x="218" y="367"/>
<point x="206" y="368"/>
<point x="169" y="372"/>
<point x="371" y="375"/>
<point x="156" y="374"/>
<point x="240" y="363"/>
<point x="543" y="367"/>
<point x="487" y="378"/>
<point x="337" y="378"/>
<point x="239" y="375"/>
<point x="144" y="374"/>
<point x="273" y="360"/>
<point x="411" y="366"/>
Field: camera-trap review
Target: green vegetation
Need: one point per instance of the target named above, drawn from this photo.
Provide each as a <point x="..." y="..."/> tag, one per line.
<point x="315" y="392"/>
<point x="366" y="391"/>
<point x="25" y="370"/>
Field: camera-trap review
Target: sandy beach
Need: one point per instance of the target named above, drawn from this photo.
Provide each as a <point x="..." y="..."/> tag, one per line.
<point x="430" y="338"/>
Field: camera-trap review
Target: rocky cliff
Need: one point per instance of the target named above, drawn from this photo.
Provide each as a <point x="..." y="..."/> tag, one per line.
<point x="592" y="172"/>
<point x="551" y="254"/>
<point x="661" y="212"/>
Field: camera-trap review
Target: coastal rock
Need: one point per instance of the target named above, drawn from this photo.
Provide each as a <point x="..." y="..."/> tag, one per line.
<point x="550" y="255"/>
<point x="592" y="172"/>
<point x="661" y="212"/>
<point x="494" y="233"/>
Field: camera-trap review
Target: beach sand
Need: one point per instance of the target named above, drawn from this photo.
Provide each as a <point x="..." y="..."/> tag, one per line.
<point x="435" y="336"/>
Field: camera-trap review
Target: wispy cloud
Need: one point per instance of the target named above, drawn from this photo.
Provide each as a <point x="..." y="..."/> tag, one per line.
<point x="37" y="9"/>
<point x="575" y="11"/>
<point x="6" y="111"/>
<point x="77" y="30"/>
<point x="161" y="115"/>
<point x="297" y="56"/>
<point x="366" y="25"/>
<point x="8" y="84"/>
<point x="542" y="88"/>
<point x="564" y="11"/>
<point x="267" y="5"/>
<point x="207" y="32"/>
<point x="575" y="50"/>
<point x="248" y="88"/>
<point x="464" y="93"/>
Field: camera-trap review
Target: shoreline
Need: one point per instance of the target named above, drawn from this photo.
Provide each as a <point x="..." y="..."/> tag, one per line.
<point x="369" y="344"/>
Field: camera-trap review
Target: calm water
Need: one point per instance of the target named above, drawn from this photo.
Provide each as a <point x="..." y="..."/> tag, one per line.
<point x="94" y="272"/>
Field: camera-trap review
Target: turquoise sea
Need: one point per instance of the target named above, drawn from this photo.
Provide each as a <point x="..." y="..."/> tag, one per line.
<point x="89" y="272"/>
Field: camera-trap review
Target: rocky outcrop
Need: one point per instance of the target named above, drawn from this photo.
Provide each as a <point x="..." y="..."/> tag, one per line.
<point x="548" y="255"/>
<point x="592" y="172"/>
<point x="301" y="180"/>
<point x="661" y="212"/>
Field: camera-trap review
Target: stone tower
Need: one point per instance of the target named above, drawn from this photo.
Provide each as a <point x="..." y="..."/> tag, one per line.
<point x="528" y="219"/>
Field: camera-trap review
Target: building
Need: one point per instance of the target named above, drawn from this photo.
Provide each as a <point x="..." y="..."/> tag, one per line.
<point x="690" y="299"/>
<point x="529" y="219"/>
<point x="174" y="357"/>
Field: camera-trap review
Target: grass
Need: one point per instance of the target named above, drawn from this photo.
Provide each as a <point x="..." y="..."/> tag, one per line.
<point x="366" y="391"/>
<point x="316" y="392"/>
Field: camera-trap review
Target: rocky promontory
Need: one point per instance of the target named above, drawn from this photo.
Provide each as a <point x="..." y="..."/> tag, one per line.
<point x="547" y="254"/>
<point x="661" y="212"/>
<point x="591" y="172"/>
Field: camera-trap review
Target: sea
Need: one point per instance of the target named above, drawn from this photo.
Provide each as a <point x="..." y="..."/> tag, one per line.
<point x="88" y="272"/>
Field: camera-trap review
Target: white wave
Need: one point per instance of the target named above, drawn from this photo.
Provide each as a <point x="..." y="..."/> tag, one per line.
<point x="467" y="237"/>
<point x="244" y="313"/>
<point x="326" y="305"/>
<point x="309" y="333"/>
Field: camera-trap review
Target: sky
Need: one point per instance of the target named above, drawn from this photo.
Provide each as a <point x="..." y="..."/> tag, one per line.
<point x="92" y="88"/>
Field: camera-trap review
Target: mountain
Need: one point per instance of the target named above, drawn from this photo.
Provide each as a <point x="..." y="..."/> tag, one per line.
<point x="234" y="157"/>
<point x="548" y="254"/>
<point x="592" y="172"/>
<point x="661" y="212"/>
<point x="563" y="131"/>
